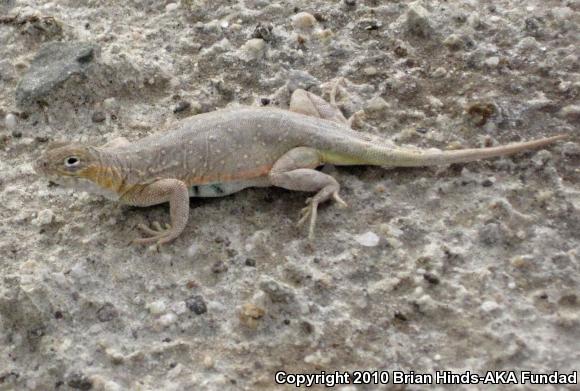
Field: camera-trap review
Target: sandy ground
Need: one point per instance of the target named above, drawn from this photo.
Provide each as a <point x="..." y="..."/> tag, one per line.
<point x="470" y="267"/>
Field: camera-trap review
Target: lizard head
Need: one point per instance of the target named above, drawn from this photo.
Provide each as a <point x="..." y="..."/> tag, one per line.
<point x="67" y="161"/>
<point x="79" y="167"/>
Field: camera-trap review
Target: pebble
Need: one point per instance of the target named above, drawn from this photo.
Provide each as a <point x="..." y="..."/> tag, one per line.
<point x="98" y="116"/>
<point x="489" y="306"/>
<point x="488" y="182"/>
<point x="254" y="48"/>
<point x="528" y="43"/>
<point x="303" y="21"/>
<point x="301" y="79"/>
<point x="157" y="307"/>
<point x="376" y="105"/>
<point x="453" y="42"/>
<point x="44" y="217"/>
<point x="278" y="292"/>
<point x="219" y="267"/>
<point x="111" y="105"/>
<point x="182" y="106"/>
<point x="10" y="121"/>
<point x="368" y="239"/>
<point x="264" y="31"/>
<point x="196" y="304"/>
<point x="250" y="315"/>
<point x="370" y="71"/>
<point x="171" y="7"/>
<point x="192" y="250"/>
<point x="418" y="20"/>
<point x="571" y="112"/>
<point x="492" y="62"/>
<point x="107" y="313"/>
<point x="79" y="381"/>
<point x="167" y="319"/>
<point x="439" y="73"/>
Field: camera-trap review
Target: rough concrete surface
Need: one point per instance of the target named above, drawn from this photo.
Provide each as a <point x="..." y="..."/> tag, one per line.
<point x="470" y="267"/>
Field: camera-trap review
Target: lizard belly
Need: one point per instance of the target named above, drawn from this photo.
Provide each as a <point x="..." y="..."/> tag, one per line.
<point x="224" y="189"/>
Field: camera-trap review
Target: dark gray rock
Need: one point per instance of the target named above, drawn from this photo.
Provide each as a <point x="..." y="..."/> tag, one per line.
<point x="301" y="79"/>
<point x="52" y="66"/>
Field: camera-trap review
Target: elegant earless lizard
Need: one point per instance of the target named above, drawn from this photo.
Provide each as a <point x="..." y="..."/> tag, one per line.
<point x="222" y="152"/>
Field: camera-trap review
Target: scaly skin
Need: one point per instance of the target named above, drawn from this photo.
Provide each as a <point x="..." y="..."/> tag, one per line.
<point x="221" y="152"/>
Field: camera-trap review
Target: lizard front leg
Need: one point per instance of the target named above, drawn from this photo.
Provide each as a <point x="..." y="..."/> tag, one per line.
<point x="295" y="171"/>
<point x="169" y="190"/>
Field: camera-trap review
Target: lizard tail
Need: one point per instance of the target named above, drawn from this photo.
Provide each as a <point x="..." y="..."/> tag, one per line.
<point x="411" y="158"/>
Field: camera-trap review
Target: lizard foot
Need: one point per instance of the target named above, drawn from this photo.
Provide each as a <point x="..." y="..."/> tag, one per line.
<point x="311" y="211"/>
<point x="158" y="234"/>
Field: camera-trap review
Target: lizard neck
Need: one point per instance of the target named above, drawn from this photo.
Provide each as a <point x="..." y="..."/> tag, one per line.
<point x="108" y="172"/>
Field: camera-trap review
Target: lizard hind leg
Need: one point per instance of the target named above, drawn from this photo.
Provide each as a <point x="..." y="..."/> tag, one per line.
<point x="295" y="170"/>
<point x="307" y="103"/>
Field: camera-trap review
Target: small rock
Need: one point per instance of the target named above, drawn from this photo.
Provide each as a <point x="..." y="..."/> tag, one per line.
<point x="350" y="3"/>
<point x="44" y="217"/>
<point x="492" y="62"/>
<point x="192" y="250"/>
<point x="167" y="319"/>
<point x="528" y="43"/>
<point x="111" y="105"/>
<point x="417" y="21"/>
<point x="521" y="261"/>
<point x="401" y="51"/>
<point x="219" y="267"/>
<point x="16" y="133"/>
<point x="571" y="112"/>
<point x="277" y="291"/>
<point x="439" y="73"/>
<point x="488" y="182"/>
<point x="489" y="306"/>
<point x="370" y="71"/>
<point x="182" y="106"/>
<point x="196" y="304"/>
<point x="318" y="359"/>
<point x="107" y="313"/>
<point x="571" y="149"/>
<point x="157" y="307"/>
<point x="303" y="21"/>
<point x="453" y="42"/>
<point x="376" y="106"/>
<point x="264" y="31"/>
<point x="10" y="121"/>
<point x="171" y="7"/>
<point x="79" y="382"/>
<point x="481" y="112"/>
<point x="250" y="262"/>
<point x="98" y="116"/>
<point x="250" y="315"/>
<point x="368" y="239"/>
<point x="301" y="80"/>
<point x="493" y="234"/>
<point x="254" y="48"/>
<point x="431" y="278"/>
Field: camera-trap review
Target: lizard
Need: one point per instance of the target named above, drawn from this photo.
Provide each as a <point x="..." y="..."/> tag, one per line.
<point x="222" y="152"/>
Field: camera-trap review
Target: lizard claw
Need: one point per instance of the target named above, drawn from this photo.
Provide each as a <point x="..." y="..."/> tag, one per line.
<point x="157" y="234"/>
<point x="311" y="212"/>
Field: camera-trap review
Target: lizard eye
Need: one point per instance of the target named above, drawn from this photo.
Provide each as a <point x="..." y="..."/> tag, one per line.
<point x="72" y="161"/>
